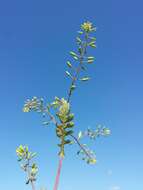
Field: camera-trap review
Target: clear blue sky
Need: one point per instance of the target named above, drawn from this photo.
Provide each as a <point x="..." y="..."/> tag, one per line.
<point x="35" y="38"/>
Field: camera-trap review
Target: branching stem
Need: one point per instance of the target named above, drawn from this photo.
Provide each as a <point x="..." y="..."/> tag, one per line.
<point x="81" y="146"/>
<point x="75" y="78"/>
<point x="29" y="177"/>
<point x="53" y="119"/>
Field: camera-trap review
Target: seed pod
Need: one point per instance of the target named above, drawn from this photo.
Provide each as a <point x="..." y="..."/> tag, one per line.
<point x="70" y="125"/>
<point x="69" y="64"/>
<point x="73" y="53"/>
<point x="85" y="79"/>
<point x="73" y="87"/>
<point x="70" y="117"/>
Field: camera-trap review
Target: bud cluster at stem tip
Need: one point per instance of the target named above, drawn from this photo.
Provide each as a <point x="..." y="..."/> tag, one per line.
<point x="25" y="157"/>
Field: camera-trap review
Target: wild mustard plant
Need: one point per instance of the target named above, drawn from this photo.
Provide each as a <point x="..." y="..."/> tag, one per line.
<point x="58" y="112"/>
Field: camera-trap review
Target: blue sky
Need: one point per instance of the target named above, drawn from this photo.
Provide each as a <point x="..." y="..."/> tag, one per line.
<point x="35" y="38"/>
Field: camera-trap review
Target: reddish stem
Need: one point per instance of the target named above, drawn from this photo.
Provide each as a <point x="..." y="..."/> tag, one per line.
<point x="58" y="174"/>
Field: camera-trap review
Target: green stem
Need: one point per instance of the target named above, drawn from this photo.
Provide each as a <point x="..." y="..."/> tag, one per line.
<point x="81" y="146"/>
<point x="53" y="119"/>
<point x="29" y="177"/>
<point x="75" y="78"/>
<point x="33" y="186"/>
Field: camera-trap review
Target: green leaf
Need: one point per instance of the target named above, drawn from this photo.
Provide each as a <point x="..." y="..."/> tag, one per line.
<point x="59" y="131"/>
<point x="78" y="40"/>
<point x="92" y="44"/>
<point x="27" y="182"/>
<point x="72" y="142"/>
<point x="93" y="38"/>
<point x="70" y="125"/>
<point x="70" y="117"/>
<point x="106" y="131"/>
<point x="80" y="32"/>
<point x="75" y="57"/>
<point x="80" y="135"/>
<point x="46" y="123"/>
<point x="85" y="79"/>
<point x="34" y="154"/>
<point x="55" y="104"/>
<point x="93" y="29"/>
<point x="69" y="64"/>
<point x="91" y="161"/>
<point x="73" y="53"/>
<point x="67" y="142"/>
<point x="57" y="98"/>
<point x="90" y="57"/>
<point x="73" y="87"/>
<point x="80" y="50"/>
<point x="90" y="61"/>
<point x="78" y="152"/>
<point x="83" y="68"/>
<point x="69" y="132"/>
<point x="19" y="159"/>
<point x="68" y="74"/>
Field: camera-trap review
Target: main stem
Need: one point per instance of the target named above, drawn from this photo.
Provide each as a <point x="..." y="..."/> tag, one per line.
<point x="68" y="100"/>
<point x="58" y="174"/>
<point x="33" y="186"/>
<point x="32" y="183"/>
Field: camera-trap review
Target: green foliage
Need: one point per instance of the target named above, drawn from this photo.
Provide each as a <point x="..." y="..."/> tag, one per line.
<point x="69" y="64"/>
<point x="68" y="74"/>
<point x="64" y="129"/>
<point x="85" y="79"/>
<point x="87" y="155"/>
<point x="27" y="164"/>
<point x="83" y="40"/>
<point x="59" y="112"/>
<point x="63" y="118"/>
<point x="93" y="134"/>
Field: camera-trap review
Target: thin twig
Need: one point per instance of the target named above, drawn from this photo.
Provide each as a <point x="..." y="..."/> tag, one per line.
<point x="52" y="117"/>
<point x="81" y="146"/>
<point x="29" y="177"/>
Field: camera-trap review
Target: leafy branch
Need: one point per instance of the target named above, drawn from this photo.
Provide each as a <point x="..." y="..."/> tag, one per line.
<point x="27" y="165"/>
<point x="83" y="41"/>
<point x="58" y="112"/>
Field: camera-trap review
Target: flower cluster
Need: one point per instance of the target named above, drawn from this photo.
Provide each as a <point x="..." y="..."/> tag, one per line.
<point x="87" y="27"/>
<point x="63" y="130"/>
<point x="34" y="104"/>
<point x="88" y="155"/>
<point x="93" y="134"/>
<point x="64" y="108"/>
<point x="25" y="157"/>
<point x="22" y="151"/>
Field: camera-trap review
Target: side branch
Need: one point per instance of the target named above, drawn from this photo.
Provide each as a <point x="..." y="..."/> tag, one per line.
<point x="81" y="146"/>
